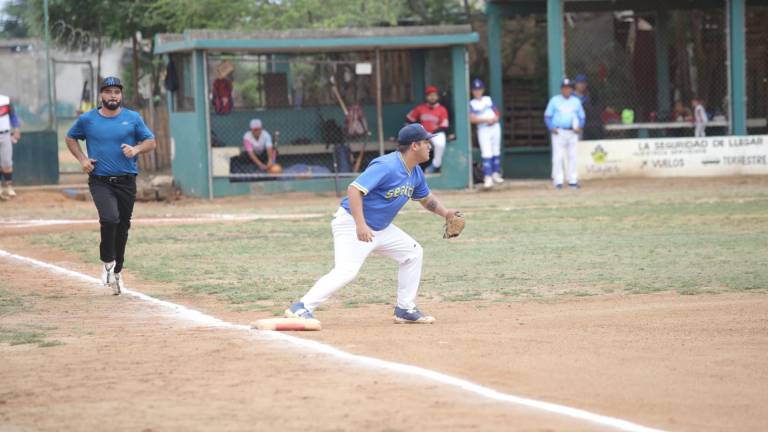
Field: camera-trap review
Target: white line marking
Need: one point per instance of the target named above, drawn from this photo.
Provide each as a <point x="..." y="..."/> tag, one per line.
<point x="188" y="314"/>
<point x="204" y="218"/>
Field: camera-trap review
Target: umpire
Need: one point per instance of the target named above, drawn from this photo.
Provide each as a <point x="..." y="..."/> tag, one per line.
<point x="113" y="136"/>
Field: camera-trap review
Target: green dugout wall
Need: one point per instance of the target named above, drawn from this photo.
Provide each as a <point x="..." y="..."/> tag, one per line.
<point x="191" y="122"/>
<point x="534" y="161"/>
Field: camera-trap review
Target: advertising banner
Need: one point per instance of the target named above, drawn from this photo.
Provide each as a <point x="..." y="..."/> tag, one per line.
<point x="674" y="157"/>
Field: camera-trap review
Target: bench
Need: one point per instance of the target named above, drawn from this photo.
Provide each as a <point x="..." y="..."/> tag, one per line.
<point x="220" y="156"/>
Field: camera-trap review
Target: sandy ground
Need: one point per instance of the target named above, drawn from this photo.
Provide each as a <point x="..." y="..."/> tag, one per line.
<point x="687" y="363"/>
<point x="127" y="366"/>
<point x="664" y="360"/>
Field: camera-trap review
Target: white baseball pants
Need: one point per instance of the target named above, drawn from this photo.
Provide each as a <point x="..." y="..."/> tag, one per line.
<point x="350" y="254"/>
<point x="564" y="142"/>
<point x="6" y="151"/>
<point x="700" y="130"/>
<point x="489" y="139"/>
<point x="438" y="143"/>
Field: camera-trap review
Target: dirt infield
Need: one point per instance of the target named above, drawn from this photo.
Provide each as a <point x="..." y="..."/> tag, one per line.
<point x="663" y="360"/>
<point x="125" y="365"/>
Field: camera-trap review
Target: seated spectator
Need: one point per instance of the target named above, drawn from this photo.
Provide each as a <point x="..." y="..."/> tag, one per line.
<point x="257" y="144"/>
<point x="610" y="116"/>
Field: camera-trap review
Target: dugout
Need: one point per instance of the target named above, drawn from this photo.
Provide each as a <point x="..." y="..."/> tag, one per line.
<point x="638" y="55"/>
<point x="295" y="82"/>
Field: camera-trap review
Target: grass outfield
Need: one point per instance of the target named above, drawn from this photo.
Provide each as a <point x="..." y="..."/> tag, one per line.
<point x="517" y="246"/>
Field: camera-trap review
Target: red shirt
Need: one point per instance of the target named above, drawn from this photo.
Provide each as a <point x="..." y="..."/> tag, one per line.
<point x="431" y="117"/>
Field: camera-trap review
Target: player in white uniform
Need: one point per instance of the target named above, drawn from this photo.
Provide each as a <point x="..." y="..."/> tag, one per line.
<point x="363" y="224"/>
<point x="565" y="118"/>
<point x="10" y="133"/>
<point x="483" y="113"/>
<point x="699" y="118"/>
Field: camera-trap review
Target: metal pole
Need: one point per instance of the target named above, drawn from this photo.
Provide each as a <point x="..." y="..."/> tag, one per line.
<point x="52" y="89"/>
<point x="728" y="60"/>
<point x="92" y="96"/>
<point x="379" y="121"/>
<point x="48" y="63"/>
<point x="207" y="124"/>
<point x="152" y="155"/>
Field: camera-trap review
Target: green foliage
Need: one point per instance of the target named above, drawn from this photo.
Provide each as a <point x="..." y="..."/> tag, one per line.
<point x="175" y="16"/>
<point x="324" y="14"/>
<point x="14" y="20"/>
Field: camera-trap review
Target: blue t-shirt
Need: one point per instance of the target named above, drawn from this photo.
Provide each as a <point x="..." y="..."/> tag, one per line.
<point x="104" y="137"/>
<point x="387" y="185"/>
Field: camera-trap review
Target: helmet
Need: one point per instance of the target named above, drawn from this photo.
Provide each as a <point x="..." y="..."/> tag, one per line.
<point x="477" y="84"/>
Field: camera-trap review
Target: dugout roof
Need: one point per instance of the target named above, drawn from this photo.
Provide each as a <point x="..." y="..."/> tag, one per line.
<point x="307" y="40"/>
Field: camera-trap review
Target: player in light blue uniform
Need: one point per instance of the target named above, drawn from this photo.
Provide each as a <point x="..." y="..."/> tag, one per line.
<point x="363" y="224"/>
<point x="565" y="118"/>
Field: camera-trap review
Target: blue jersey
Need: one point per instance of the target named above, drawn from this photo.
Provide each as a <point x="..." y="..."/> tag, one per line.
<point x="562" y="113"/>
<point x="104" y="137"/>
<point x="387" y="186"/>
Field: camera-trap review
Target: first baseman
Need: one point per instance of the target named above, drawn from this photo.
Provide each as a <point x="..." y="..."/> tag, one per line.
<point x="363" y="224"/>
<point x="565" y="118"/>
<point x="114" y="136"/>
<point x="10" y="133"/>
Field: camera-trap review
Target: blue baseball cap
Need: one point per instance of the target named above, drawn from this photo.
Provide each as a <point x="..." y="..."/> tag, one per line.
<point x="580" y="78"/>
<point x="566" y="83"/>
<point x="111" y="82"/>
<point x="412" y="133"/>
<point x="477" y="84"/>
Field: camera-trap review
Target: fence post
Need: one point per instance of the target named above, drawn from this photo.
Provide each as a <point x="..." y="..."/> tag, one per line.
<point x="736" y="66"/>
<point x="495" y="16"/>
<point x="555" y="44"/>
<point x="663" y="103"/>
<point x="379" y="120"/>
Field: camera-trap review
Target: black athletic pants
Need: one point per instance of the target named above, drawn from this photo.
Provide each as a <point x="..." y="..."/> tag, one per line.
<point x="114" y="198"/>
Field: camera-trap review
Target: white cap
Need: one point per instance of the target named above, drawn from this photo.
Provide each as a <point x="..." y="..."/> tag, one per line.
<point x="255" y="124"/>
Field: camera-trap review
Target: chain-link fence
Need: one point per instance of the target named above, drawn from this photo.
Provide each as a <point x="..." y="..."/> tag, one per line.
<point x="645" y="72"/>
<point x="295" y="116"/>
<point x="757" y="68"/>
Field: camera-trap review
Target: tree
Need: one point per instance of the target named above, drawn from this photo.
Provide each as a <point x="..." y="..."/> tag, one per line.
<point x="12" y="20"/>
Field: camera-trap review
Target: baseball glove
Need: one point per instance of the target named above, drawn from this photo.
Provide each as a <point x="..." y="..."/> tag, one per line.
<point x="454" y="225"/>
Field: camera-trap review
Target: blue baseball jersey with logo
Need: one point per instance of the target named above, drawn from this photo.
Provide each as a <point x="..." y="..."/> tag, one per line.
<point x="104" y="137"/>
<point x="387" y="186"/>
<point x="562" y="113"/>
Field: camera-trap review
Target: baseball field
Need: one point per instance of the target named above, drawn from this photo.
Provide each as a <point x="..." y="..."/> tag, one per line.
<point x="626" y="305"/>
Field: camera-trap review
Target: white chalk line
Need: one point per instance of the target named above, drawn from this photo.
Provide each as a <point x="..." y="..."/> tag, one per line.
<point x="207" y="218"/>
<point x="188" y="314"/>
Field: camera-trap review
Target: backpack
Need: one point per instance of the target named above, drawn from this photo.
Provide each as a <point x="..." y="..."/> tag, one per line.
<point x="355" y="123"/>
<point x="222" y="96"/>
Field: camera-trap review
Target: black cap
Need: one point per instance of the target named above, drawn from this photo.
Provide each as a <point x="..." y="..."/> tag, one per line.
<point x="566" y="83"/>
<point x="412" y="133"/>
<point x="111" y="82"/>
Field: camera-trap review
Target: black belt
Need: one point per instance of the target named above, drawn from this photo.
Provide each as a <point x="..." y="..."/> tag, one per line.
<point x="114" y="179"/>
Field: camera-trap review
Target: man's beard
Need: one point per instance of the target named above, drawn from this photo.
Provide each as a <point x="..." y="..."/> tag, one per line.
<point x="110" y="105"/>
